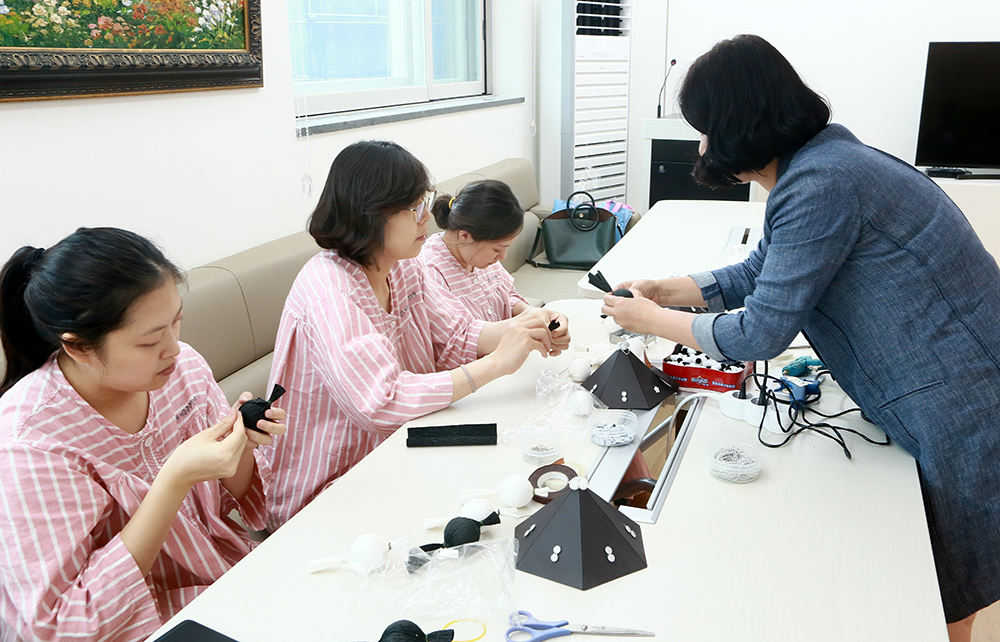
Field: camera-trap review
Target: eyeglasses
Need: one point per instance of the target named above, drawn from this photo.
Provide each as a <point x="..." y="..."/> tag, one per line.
<point x="423" y="206"/>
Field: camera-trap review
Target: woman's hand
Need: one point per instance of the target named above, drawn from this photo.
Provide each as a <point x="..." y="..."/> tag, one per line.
<point x="274" y="427"/>
<point x="214" y="453"/>
<point x="526" y="332"/>
<point x="638" y="314"/>
<point x="652" y="289"/>
<point x="560" y="336"/>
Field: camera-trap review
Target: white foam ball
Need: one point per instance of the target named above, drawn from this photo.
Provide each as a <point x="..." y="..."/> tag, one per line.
<point x="579" y="369"/>
<point x="368" y="553"/>
<point x="580" y="403"/>
<point x="636" y="346"/>
<point x="600" y="351"/>
<point x="478" y="509"/>
<point x="516" y="491"/>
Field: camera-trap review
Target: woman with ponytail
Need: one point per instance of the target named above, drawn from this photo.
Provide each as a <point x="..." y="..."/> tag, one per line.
<point x="120" y="460"/>
<point x="480" y="223"/>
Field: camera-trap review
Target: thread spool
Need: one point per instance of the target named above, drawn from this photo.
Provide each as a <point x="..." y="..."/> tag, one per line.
<point x="542" y="474"/>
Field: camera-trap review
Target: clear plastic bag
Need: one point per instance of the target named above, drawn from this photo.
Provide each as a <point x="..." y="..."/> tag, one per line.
<point x="471" y="581"/>
<point x="560" y="410"/>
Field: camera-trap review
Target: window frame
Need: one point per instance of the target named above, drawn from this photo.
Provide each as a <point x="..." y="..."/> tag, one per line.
<point x="344" y="101"/>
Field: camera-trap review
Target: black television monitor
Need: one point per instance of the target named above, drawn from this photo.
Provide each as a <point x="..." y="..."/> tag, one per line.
<point x="960" y="113"/>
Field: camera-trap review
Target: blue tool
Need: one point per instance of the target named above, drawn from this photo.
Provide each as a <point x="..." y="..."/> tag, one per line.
<point x="801" y="366"/>
<point x="525" y="627"/>
<point x="798" y="389"/>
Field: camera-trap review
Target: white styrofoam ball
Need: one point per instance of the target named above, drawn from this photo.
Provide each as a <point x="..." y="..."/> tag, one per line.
<point x="600" y="351"/>
<point x="610" y="325"/>
<point x="368" y="553"/>
<point x="478" y="509"/>
<point x="636" y="346"/>
<point x="579" y="369"/>
<point x="516" y="491"/>
<point x="580" y="403"/>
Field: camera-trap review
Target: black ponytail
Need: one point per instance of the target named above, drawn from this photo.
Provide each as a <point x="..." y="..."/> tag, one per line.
<point x="487" y="210"/>
<point x="84" y="285"/>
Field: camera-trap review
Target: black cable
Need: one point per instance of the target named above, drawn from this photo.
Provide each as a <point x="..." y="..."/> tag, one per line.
<point x="798" y="420"/>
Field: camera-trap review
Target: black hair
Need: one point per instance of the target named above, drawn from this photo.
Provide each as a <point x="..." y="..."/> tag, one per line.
<point x="751" y="104"/>
<point x="369" y="182"/>
<point x="487" y="210"/>
<point x="84" y="285"/>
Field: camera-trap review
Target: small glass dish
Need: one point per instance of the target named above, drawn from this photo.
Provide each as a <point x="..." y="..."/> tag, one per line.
<point x="734" y="463"/>
<point x="612" y="427"/>
<point x="540" y="451"/>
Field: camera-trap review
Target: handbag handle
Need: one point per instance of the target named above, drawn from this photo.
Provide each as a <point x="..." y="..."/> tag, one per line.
<point x="580" y="213"/>
<point x="580" y="217"/>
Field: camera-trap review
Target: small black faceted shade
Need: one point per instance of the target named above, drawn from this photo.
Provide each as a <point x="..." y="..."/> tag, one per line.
<point x="579" y="540"/>
<point x="625" y="382"/>
<point x="253" y="410"/>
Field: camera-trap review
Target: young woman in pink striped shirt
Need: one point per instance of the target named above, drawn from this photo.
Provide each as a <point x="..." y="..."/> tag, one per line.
<point x="366" y="342"/>
<point x="120" y="460"/>
<point x="479" y="224"/>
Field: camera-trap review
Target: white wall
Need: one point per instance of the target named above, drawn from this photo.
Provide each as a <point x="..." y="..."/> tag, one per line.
<point x="647" y="66"/>
<point x="210" y="173"/>
<point x="867" y="56"/>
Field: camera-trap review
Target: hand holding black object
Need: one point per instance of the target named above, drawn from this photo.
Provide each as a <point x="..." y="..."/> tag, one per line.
<point x="623" y="293"/>
<point x="253" y="410"/>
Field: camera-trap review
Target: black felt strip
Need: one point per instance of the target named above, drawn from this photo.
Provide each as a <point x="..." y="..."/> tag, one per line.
<point x="456" y="435"/>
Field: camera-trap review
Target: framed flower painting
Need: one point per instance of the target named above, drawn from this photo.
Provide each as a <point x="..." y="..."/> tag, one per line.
<point x="76" y="48"/>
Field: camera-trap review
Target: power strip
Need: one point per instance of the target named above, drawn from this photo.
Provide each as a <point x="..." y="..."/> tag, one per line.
<point x="749" y="410"/>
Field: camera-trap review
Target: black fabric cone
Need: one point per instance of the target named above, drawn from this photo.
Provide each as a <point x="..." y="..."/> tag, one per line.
<point x="567" y="541"/>
<point x="625" y="382"/>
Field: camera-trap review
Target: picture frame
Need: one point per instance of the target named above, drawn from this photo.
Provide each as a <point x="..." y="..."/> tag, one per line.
<point x="77" y="70"/>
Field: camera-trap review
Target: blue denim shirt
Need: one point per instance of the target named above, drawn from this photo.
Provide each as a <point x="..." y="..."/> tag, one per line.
<point x="901" y="300"/>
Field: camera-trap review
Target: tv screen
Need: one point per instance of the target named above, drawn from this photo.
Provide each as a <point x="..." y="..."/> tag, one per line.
<point x="960" y="114"/>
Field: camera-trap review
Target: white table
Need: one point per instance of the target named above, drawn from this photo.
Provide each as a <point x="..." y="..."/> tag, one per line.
<point x="819" y="548"/>
<point x="678" y="238"/>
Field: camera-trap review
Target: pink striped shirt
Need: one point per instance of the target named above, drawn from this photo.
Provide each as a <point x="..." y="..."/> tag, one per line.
<point x="71" y="480"/>
<point x="488" y="294"/>
<point x="354" y="372"/>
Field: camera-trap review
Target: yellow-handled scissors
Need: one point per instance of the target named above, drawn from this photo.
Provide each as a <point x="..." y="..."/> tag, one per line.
<point x="524" y="628"/>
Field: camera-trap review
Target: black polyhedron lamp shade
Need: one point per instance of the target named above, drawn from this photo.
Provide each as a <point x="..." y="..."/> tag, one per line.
<point x="623" y="381"/>
<point x="579" y="540"/>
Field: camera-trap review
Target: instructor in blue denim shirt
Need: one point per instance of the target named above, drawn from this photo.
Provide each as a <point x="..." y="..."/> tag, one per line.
<point x="880" y="270"/>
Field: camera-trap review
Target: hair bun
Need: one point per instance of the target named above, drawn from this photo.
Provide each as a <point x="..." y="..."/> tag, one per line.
<point x="33" y="259"/>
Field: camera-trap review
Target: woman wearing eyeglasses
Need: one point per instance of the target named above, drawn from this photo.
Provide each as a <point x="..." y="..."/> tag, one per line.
<point x="366" y="342"/>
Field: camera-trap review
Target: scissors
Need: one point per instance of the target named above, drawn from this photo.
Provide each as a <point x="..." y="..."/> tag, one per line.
<point x="523" y="623"/>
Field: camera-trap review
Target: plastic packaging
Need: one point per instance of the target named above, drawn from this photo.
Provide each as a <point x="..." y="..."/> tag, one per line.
<point x="553" y="415"/>
<point x="471" y="581"/>
<point x="540" y="451"/>
<point x="612" y="427"/>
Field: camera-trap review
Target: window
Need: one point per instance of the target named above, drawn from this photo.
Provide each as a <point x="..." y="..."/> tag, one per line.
<point x="358" y="54"/>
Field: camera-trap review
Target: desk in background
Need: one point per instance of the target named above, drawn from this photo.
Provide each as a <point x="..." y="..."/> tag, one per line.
<point x="819" y="548"/>
<point x="678" y="238"/>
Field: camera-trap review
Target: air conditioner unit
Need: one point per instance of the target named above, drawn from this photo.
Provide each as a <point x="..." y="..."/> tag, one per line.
<point x="583" y="98"/>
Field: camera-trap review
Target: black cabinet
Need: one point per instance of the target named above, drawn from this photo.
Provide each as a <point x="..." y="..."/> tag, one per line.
<point x="670" y="175"/>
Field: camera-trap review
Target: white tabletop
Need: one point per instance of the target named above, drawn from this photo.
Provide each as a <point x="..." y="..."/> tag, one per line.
<point x="676" y="238"/>
<point x="819" y="548"/>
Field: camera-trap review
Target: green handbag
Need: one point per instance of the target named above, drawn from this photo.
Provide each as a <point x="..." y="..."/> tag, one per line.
<point x="577" y="238"/>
